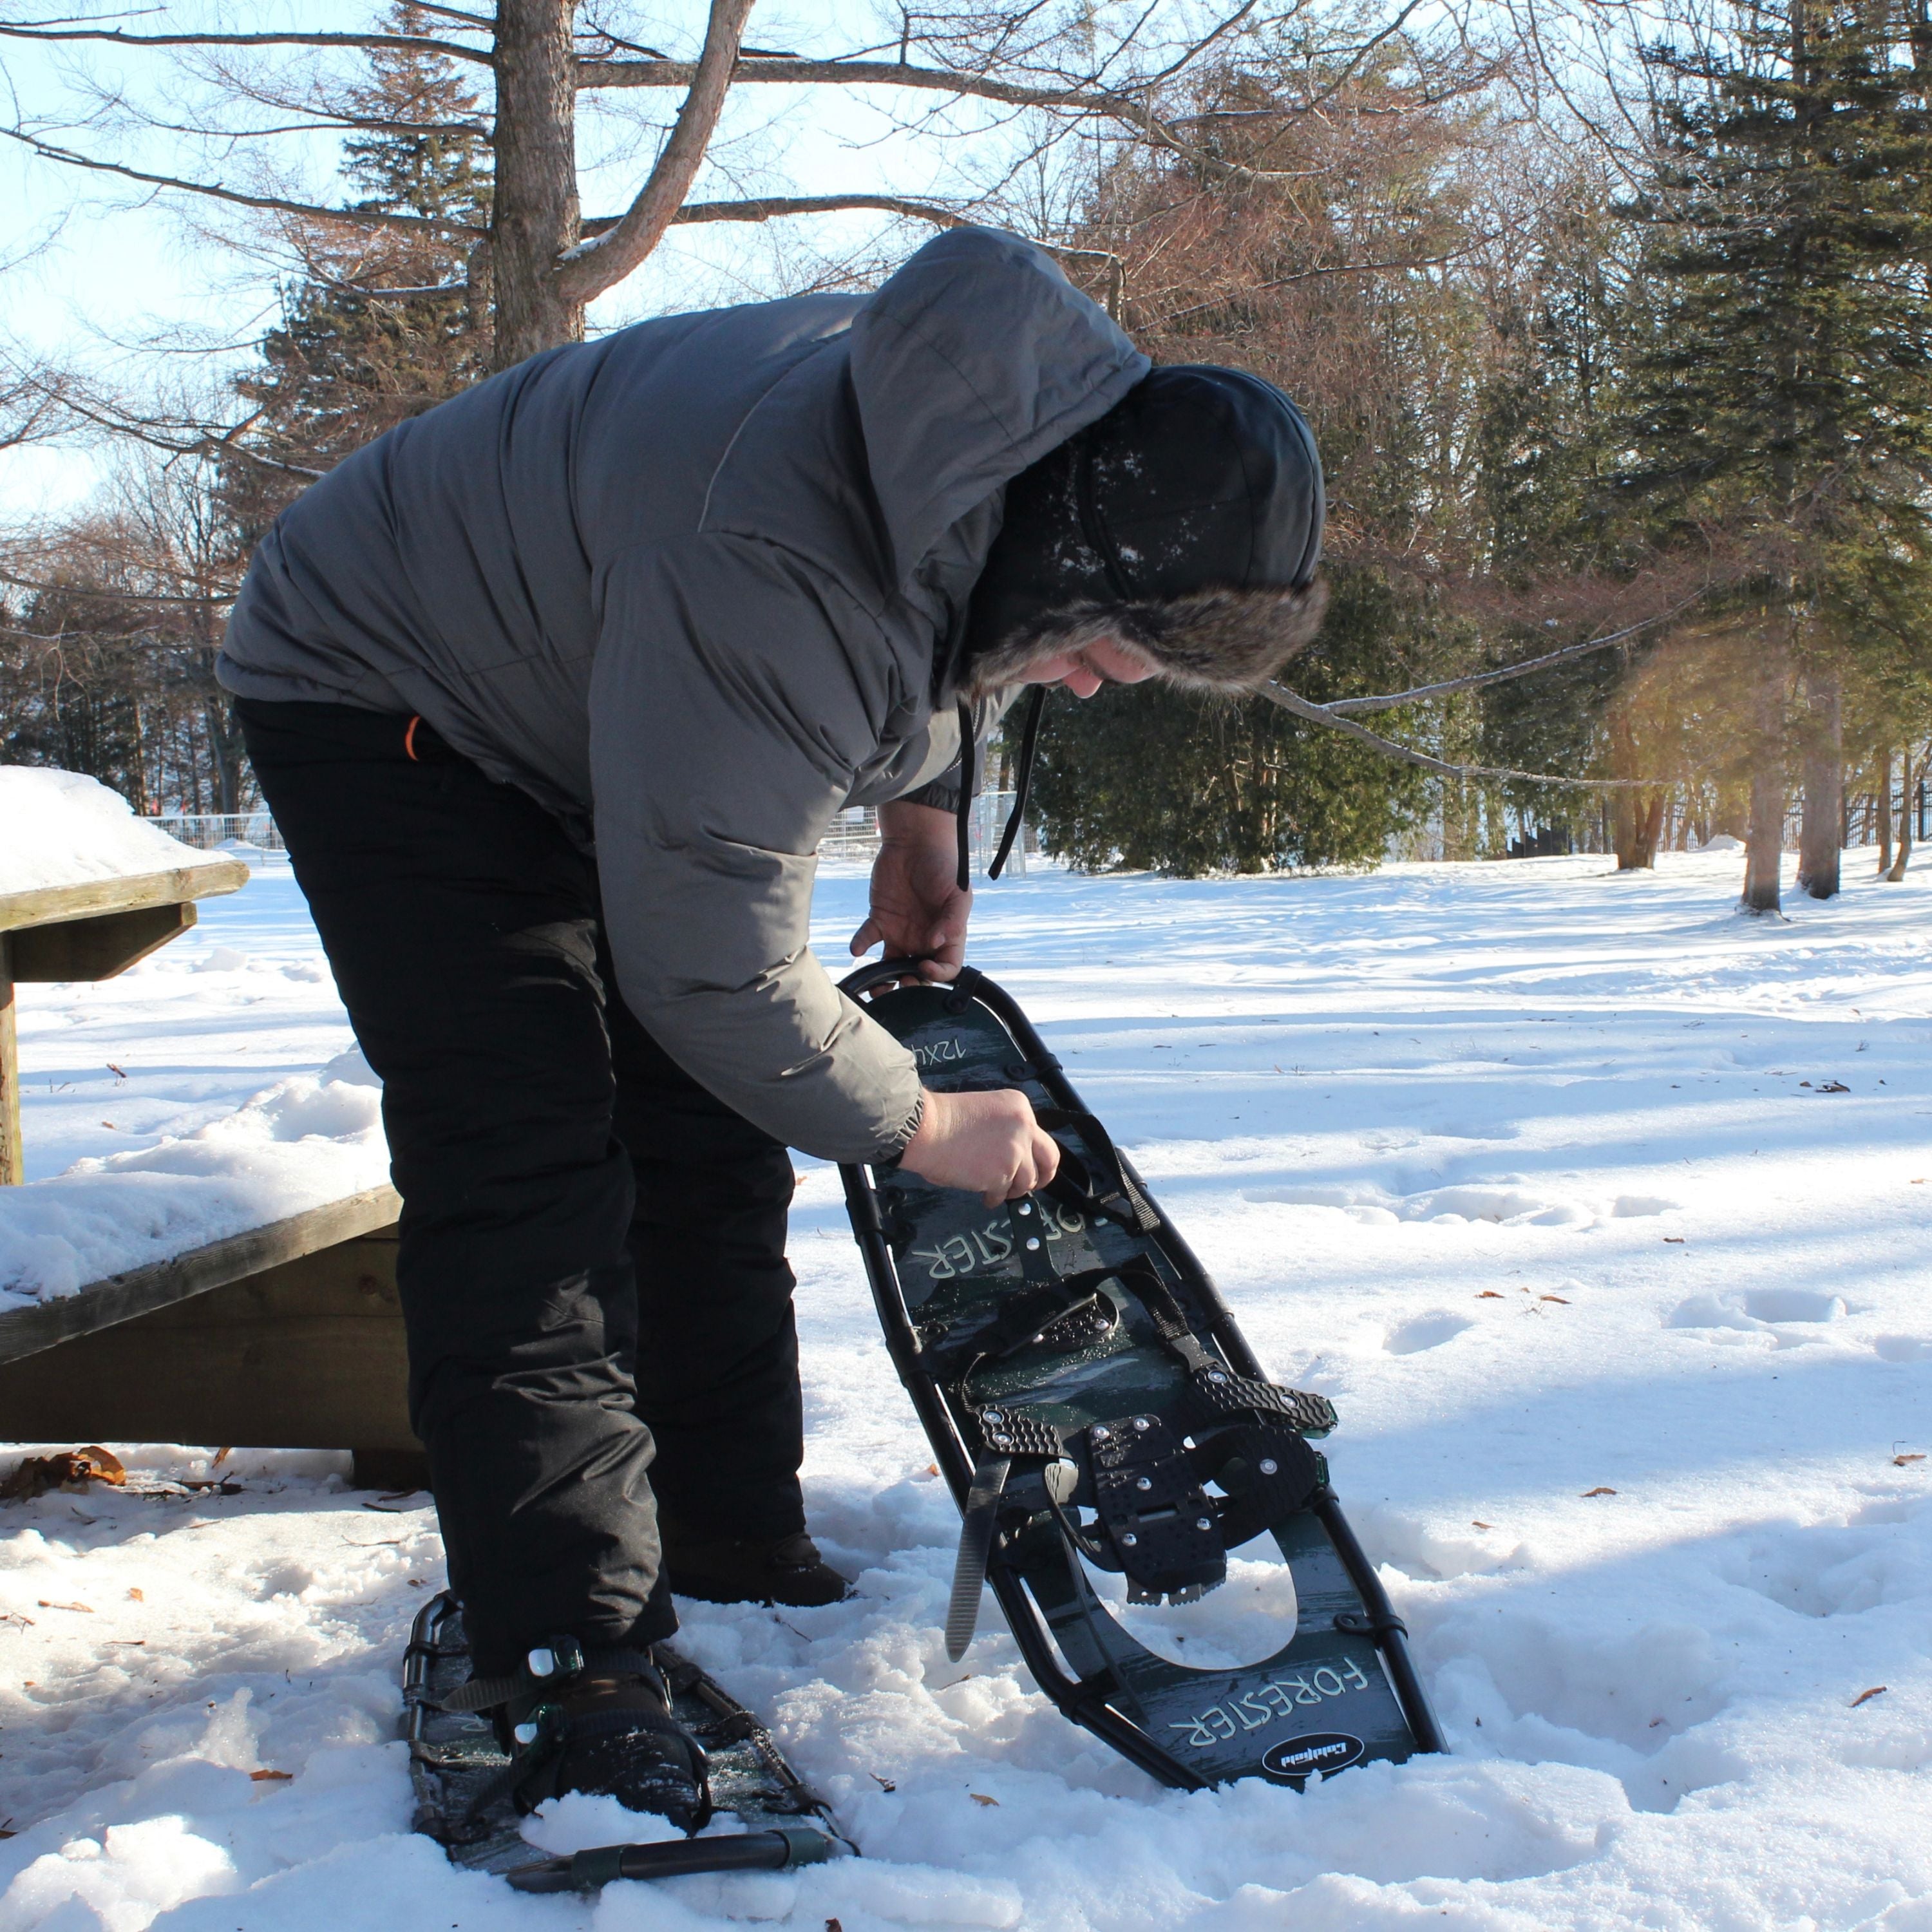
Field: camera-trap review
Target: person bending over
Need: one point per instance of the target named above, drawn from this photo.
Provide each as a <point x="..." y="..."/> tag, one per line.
<point x="553" y="691"/>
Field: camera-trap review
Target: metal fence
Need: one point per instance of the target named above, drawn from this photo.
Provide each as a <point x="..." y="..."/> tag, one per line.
<point x="854" y="839"/>
<point x="206" y="830"/>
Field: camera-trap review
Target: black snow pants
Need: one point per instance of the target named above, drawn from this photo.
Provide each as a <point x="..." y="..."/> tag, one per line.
<point x="592" y="1247"/>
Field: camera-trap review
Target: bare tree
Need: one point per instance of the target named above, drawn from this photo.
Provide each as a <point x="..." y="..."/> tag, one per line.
<point x="1033" y="78"/>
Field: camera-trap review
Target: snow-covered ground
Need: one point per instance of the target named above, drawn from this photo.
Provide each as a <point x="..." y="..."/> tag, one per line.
<point x="1600" y="1211"/>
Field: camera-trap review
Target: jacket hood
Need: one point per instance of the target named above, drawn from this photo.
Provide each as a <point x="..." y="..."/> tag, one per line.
<point x="971" y="364"/>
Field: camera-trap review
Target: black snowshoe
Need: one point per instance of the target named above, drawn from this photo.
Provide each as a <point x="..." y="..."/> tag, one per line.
<point x="654" y="1731"/>
<point x="1093" y="1407"/>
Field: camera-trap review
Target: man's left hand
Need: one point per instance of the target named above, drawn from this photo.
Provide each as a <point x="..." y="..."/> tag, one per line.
<point x="918" y="910"/>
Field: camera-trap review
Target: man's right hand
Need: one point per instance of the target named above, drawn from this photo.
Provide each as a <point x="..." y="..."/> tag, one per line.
<point x="989" y="1143"/>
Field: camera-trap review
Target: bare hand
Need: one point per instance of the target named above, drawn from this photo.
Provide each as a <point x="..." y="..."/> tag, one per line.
<point x="918" y="911"/>
<point x="989" y="1143"/>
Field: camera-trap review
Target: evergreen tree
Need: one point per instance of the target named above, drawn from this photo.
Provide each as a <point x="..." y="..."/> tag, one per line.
<point x="1783" y="394"/>
<point x="1172" y="781"/>
<point x="382" y="326"/>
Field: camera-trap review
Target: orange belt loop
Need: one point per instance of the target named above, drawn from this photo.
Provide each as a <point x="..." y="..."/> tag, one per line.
<point x="409" y="739"/>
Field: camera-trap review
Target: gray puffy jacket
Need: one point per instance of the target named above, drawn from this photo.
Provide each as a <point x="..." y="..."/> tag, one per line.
<point x="696" y="586"/>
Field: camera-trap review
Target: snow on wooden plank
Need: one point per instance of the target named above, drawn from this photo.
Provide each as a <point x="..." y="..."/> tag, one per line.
<point x="71" y="849"/>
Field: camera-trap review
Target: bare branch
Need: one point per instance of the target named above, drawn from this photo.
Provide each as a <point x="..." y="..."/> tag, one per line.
<point x="359" y="216"/>
<point x="1082" y="97"/>
<point x="1520" y="670"/>
<point x="105" y="596"/>
<point x="603" y="260"/>
<point x="1330" y="268"/>
<point x="119" y="37"/>
<point x="767" y="207"/>
<point x="1322" y="714"/>
<point x="183" y="439"/>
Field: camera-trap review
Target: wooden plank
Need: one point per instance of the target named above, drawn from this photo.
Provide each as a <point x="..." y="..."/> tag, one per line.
<point x="98" y="948"/>
<point x="13" y="1163"/>
<point x="43" y="905"/>
<point x="309" y="1354"/>
<point x="119" y="1297"/>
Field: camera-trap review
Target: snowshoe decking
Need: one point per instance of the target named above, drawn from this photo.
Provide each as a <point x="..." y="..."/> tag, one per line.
<point x="1091" y="1402"/>
<point x="457" y="1766"/>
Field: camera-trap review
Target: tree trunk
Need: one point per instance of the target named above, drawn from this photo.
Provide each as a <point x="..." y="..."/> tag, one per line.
<point x="1819" y="843"/>
<point x="1634" y="822"/>
<point x="1904" y="853"/>
<point x="224" y="744"/>
<point x="1882" y="812"/>
<point x="1764" y="840"/>
<point x="534" y="214"/>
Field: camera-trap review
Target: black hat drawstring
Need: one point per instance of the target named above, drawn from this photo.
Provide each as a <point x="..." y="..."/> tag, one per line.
<point x="1029" y="744"/>
<point x="969" y="746"/>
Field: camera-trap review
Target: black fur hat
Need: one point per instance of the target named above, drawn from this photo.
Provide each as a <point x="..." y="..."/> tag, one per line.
<point x="1186" y="523"/>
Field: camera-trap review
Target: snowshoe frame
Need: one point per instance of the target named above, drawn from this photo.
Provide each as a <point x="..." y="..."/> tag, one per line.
<point x="1344" y="1687"/>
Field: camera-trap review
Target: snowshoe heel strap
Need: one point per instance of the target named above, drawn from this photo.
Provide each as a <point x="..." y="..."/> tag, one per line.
<point x="976" y="1528"/>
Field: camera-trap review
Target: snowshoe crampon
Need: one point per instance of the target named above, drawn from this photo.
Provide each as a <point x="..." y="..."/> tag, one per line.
<point x="463" y="1801"/>
<point x="1096" y="1411"/>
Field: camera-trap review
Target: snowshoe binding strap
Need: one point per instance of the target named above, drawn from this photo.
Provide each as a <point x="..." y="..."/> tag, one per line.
<point x="976" y="1528"/>
<point x="1094" y="1183"/>
<point x="565" y="1698"/>
<point x="1024" y="1315"/>
<point x="548" y="1666"/>
<point x="1216" y="1394"/>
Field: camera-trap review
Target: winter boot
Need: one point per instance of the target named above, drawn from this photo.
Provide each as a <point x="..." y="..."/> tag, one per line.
<point x="597" y="1721"/>
<point x="748" y="1569"/>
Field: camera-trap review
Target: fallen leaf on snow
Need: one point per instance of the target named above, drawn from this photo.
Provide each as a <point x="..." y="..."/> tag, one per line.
<point x="1833" y="1086"/>
<point x="135" y="1596"/>
<point x="39" y="1474"/>
<point x="1474" y="1524"/>
<point x="1866" y="1696"/>
<point x="86" y="1609"/>
<point x="1599" y="1490"/>
<point x="980" y="1798"/>
<point x="1488" y="1294"/>
<point x="1675" y="1240"/>
<point x="1911" y="1456"/>
<point x="270" y="1776"/>
<point x="1553" y="1298"/>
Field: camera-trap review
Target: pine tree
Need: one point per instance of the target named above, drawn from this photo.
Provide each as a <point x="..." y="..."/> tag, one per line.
<point x="1170" y="782"/>
<point x="382" y="326"/>
<point x="1784" y="392"/>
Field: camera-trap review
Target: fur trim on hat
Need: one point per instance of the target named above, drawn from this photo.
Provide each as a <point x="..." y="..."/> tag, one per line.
<point x="1230" y="641"/>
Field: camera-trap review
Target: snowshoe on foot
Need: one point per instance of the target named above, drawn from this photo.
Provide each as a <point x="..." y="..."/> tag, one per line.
<point x="749" y="1569"/>
<point x="657" y="1732"/>
<point x="597" y="1721"/>
<point x="1095" y="1409"/>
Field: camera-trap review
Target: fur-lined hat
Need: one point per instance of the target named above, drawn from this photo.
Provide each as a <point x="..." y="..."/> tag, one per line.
<point x="1185" y="523"/>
